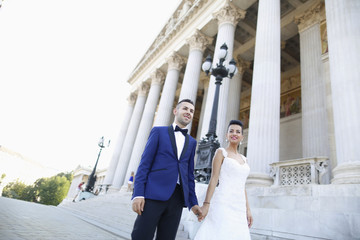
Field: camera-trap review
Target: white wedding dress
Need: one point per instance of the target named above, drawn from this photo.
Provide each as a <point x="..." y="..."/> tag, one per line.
<point x="227" y="213"/>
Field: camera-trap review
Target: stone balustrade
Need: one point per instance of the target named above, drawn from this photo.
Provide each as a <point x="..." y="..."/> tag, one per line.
<point x="301" y="171"/>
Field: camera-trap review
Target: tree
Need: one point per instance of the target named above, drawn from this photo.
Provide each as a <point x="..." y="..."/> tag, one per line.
<point x="69" y="176"/>
<point x="30" y="194"/>
<point x="53" y="190"/>
<point x="14" y="190"/>
<point x="49" y="191"/>
<point x="2" y="177"/>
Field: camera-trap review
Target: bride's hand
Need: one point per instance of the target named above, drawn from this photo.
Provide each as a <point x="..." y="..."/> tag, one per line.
<point x="204" y="210"/>
<point x="250" y="219"/>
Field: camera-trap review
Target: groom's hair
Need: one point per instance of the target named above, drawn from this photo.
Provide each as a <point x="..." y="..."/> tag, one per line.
<point x="185" y="100"/>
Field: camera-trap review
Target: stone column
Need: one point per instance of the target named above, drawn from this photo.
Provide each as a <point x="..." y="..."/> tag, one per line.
<point x="120" y="140"/>
<point x="264" y="128"/>
<point x="313" y="88"/>
<point x="330" y="111"/>
<point x="227" y="18"/>
<point x="343" y="28"/>
<point x="157" y="79"/>
<point x="163" y="117"/>
<point x="234" y="96"/>
<point x="201" y="119"/>
<point x="197" y="43"/>
<point x="130" y="136"/>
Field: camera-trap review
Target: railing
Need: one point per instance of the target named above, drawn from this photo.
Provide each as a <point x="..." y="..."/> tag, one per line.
<point x="302" y="171"/>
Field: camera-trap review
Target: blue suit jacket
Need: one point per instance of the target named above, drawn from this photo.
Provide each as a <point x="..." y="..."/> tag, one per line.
<point x="159" y="167"/>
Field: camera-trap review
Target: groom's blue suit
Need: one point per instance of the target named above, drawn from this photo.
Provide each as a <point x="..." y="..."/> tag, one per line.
<point x="159" y="169"/>
<point x="156" y="180"/>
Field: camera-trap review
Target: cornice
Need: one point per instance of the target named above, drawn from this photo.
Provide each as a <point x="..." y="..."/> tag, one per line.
<point x="163" y="38"/>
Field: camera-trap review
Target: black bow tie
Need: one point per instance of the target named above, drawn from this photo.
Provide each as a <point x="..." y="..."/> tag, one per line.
<point x="182" y="130"/>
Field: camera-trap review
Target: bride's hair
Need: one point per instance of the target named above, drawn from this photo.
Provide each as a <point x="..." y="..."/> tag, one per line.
<point x="236" y="122"/>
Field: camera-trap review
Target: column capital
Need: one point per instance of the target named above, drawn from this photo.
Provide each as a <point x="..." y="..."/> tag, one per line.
<point x="157" y="77"/>
<point x="242" y="64"/>
<point x="132" y="98"/>
<point x="199" y="41"/>
<point x="175" y="61"/>
<point x="310" y="17"/>
<point x="229" y="14"/>
<point x="143" y="89"/>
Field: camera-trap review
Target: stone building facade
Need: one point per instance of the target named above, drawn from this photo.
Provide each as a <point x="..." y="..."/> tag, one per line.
<point x="296" y="90"/>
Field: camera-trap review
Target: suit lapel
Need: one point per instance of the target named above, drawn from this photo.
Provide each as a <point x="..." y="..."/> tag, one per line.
<point x="186" y="144"/>
<point x="172" y="139"/>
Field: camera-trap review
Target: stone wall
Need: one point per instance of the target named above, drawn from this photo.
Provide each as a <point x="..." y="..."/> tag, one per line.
<point x="290" y="137"/>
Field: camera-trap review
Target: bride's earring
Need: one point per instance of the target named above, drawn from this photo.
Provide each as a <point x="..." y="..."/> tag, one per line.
<point x="240" y="142"/>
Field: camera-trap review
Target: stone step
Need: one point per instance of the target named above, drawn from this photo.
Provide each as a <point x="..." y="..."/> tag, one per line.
<point x="111" y="212"/>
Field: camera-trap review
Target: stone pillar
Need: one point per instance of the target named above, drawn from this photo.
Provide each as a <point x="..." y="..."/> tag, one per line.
<point x="234" y="96"/>
<point x="343" y="28"/>
<point x="203" y="104"/>
<point x="313" y="87"/>
<point x="157" y="79"/>
<point x="329" y="110"/>
<point x="130" y="136"/>
<point x="227" y="17"/>
<point x="197" y="43"/>
<point x="264" y="128"/>
<point x="120" y="140"/>
<point x="163" y="117"/>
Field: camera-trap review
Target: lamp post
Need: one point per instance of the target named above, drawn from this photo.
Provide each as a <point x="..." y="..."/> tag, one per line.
<point x="92" y="178"/>
<point x="210" y="143"/>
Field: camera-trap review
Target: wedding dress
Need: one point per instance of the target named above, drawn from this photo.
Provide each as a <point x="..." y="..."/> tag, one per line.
<point x="226" y="218"/>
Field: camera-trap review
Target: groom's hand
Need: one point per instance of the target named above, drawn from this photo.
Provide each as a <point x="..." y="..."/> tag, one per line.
<point x="197" y="211"/>
<point x="138" y="205"/>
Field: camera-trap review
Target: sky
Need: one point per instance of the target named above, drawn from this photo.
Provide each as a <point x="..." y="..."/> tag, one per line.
<point x="64" y="67"/>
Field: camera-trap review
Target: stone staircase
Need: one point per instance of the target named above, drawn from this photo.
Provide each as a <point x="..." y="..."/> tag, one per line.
<point x="111" y="212"/>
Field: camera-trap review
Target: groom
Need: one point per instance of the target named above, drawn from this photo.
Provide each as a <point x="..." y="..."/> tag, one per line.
<point x="164" y="181"/>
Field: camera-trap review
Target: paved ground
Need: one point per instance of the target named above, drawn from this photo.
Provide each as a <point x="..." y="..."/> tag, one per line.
<point x="24" y="220"/>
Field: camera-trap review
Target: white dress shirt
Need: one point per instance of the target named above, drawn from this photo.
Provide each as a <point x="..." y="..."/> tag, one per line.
<point x="180" y="141"/>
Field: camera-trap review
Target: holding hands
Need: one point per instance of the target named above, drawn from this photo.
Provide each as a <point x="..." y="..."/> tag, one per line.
<point x="205" y="210"/>
<point x="198" y="212"/>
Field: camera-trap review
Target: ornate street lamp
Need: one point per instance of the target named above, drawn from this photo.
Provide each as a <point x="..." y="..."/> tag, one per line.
<point x="92" y="178"/>
<point x="210" y="143"/>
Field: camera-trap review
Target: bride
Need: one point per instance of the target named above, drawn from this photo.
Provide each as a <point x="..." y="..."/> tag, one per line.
<point x="226" y="208"/>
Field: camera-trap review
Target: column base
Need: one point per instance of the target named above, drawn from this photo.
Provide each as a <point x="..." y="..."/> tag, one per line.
<point x="346" y="173"/>
<point x="259" y="180"/>
<point x="113" y="189"/>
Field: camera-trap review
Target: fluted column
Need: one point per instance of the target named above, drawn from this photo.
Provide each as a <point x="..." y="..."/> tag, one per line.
<point x="234" y="95"/>
<point x="343" y="28"/>
<point x="227" y="18"/>
<point x="197" y="43"/>
<point x="120" y="140"/>
<point x="203" y="104"/>
<point x="175" y="63"/>
<point x="313" y="88"/>
<point x="130" y="136"/>
<point x="264" y="129"/>
<point x="157" y="79"/>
